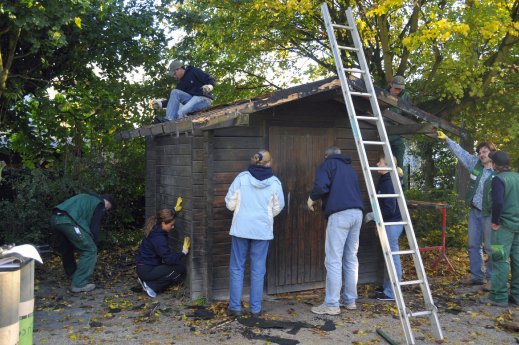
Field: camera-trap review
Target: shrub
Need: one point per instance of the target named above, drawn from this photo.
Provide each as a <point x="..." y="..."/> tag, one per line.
<point x="28" y="196"/>
<point x="427" y="221"/>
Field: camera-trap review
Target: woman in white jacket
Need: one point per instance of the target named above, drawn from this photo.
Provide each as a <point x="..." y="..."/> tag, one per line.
<point x="255" y="197"/>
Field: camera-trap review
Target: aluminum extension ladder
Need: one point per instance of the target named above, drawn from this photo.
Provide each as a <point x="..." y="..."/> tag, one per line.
<point x="376" y="118"/>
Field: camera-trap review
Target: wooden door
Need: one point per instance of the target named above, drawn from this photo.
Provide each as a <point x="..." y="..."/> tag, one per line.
<point x="296" y="256"/>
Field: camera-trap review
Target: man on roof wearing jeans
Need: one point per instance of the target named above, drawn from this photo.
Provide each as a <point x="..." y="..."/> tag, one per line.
<point x="192" y="93"/>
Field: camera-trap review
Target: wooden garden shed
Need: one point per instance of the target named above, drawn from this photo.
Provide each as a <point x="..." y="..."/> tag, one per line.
<point x="198" y="157"/>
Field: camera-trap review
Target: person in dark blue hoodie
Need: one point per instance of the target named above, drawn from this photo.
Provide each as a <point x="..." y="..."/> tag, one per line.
<point x="157" y="266"/>
<point x="390" y="213"/>
<point x="337" y="185"/>
<point x="192" y="93"/>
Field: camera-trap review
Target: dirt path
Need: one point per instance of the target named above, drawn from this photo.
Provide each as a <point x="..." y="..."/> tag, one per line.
<point x="119" y="312"/>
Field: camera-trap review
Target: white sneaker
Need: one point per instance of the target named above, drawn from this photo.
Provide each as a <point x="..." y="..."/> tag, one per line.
<point x="350" y="306"/>
<point x="324" y="309"/>
<point x="147" y="289"/>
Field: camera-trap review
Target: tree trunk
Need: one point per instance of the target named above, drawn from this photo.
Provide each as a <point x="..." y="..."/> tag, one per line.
<point x="429" y="167"/>
<point x="461" y="180"/>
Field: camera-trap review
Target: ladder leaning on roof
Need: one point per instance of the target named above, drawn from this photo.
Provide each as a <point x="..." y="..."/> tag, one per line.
<point x="376" y="118"/>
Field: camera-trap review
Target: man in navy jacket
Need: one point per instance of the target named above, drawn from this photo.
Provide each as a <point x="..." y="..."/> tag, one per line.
<point x="336" y="184"/>
<point x="192" y="93"/>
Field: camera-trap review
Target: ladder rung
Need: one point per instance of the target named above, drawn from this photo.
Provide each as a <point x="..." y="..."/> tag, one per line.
<point x="339" y="26"/>
<point x="420" y="313"/>
<point x="380" y="169"/>
<point x="395" y="223"/>
<point x="367" y="118"/>
<point x="411" y="282"/>
<point x="381" y="143"/>
<point x="351" y="49"/>
<point x="362" y="94"/>
<point x="354" y="70"/>
<point x="403" y="252"/>
<point x="388" y="195"/>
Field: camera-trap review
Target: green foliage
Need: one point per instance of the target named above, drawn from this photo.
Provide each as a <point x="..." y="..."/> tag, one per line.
<point x="459" y="58"/>
<point x="29" y="195"/>
<point x="25" y="216"/>
<point x="437" y="164"/>
<point x="427" y="221"/>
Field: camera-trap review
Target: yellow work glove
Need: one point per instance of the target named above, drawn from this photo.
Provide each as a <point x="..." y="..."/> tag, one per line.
<point x="186" y="245"/>
<point x="178" y="206"/>
<point x="310" y="203"/>
<point x="441" y="135"/>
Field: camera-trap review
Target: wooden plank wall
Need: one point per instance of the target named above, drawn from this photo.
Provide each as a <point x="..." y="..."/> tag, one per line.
<point x="231" y="151"/>
<point x="176" y="173"/>
<point x="232" y="148"/>
<point x="200" y="168"/>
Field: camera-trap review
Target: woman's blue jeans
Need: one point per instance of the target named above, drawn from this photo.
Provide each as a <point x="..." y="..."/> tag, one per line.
<point x="258" y="258"/>
<point x="393" y="233"/>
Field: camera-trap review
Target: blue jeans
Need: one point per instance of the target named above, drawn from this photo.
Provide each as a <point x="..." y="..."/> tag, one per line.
<point x="342" y="244"/>
<point x="393" y="234"/>
<point x="479" y="232"/>
<point x="258" y="258"/>
<point x="181" y="103"/>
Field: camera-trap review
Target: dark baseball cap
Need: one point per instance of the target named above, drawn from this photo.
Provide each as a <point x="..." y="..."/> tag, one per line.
<point x="500" y="158"/>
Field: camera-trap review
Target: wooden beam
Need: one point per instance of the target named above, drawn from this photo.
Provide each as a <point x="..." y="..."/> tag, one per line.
<point x="409" y="109"/>
<point x="386" y="101"/>
<point x="398" y="118"/>
<point x="418" y="128"/>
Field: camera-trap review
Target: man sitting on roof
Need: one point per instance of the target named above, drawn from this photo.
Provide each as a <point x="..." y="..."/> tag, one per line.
<point x="192" y="93"/>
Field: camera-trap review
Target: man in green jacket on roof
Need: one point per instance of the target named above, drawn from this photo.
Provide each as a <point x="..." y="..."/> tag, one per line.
<point x="397" y="90"/>
<point x="78" y="220"/>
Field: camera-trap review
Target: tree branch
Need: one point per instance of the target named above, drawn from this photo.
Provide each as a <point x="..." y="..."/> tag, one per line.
<point x="14" y="35"/>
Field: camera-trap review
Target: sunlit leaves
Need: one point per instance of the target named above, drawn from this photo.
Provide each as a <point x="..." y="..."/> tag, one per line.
<point x="77" y="21"/>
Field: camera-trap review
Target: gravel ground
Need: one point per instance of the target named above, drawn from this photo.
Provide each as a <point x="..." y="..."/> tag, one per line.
<point x="118" y="311"/>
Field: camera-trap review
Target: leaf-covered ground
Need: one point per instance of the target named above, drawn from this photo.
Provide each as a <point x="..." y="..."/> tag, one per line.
<point x="118" y="311"/>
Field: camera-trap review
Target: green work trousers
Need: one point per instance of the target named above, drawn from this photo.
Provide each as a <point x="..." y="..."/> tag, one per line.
<point x="84" y="244"/>
<point x="398" y="148"/>
<point x="505" y="254"/>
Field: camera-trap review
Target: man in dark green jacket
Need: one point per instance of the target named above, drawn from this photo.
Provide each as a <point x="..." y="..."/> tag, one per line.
<point x="397" y="90"/>
<point x="79" y="219"/>
<point x="505" y="234"/>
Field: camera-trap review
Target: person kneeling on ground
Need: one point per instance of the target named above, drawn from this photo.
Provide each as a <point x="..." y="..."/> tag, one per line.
<point x="157" y="266"/>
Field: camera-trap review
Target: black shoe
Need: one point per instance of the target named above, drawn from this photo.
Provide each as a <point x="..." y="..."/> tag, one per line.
<point x="488" y="301"/>
<point x="381" y="296"/>
<point x="379" y="289"/>
<point x="158" y="119"/>
<point x="234" y="312"/>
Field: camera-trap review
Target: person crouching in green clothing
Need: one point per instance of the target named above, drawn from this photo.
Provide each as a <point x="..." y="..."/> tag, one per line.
<point x="505" y="234"/>
<point x="78" y="219"/>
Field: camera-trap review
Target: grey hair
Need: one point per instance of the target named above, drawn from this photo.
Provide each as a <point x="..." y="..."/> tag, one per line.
<point x="332" y="150"/>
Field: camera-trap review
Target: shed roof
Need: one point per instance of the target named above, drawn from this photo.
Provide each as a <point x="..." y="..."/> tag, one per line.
<point x="411" y="120"/>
